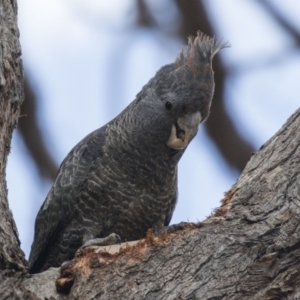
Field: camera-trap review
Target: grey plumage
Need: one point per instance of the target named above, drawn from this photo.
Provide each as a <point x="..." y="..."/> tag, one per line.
<point x="122" y="178"/>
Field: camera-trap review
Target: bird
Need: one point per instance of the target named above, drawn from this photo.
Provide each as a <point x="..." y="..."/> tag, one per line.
<point x="121" y="179"/>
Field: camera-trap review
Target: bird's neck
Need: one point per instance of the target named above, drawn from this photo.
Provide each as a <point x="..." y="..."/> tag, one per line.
<point x="138" y="146"/>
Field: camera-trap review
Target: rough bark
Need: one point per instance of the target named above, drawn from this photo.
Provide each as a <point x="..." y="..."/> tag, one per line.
<point x="11" y="97"/>
<point x="248" y="249"/>
<point x="12" y="261"/>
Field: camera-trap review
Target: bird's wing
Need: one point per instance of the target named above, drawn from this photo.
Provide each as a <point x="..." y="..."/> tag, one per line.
<point x="58" y="208"/>
<point x="173" y="203"/>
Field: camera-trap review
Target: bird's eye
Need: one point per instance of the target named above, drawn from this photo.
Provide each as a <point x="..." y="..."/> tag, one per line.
<point x="168" y="105"/>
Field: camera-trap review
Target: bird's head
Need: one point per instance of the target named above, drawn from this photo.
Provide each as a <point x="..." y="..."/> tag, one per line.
<point x="178" y="98"/>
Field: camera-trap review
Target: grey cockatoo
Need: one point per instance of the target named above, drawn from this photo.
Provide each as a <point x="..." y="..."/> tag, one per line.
<point x="121" y="179"/>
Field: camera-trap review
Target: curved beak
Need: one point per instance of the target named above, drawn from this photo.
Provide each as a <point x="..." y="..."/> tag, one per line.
<point x="183" y="130"/>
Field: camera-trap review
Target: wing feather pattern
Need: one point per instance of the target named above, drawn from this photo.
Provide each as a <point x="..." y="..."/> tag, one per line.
<point x="58" y="208"/>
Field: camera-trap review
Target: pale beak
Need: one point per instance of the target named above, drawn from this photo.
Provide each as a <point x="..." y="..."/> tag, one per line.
<point x="184" y="130"/>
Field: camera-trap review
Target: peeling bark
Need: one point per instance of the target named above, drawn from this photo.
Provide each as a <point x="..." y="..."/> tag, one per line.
<point x="248" y="249"/>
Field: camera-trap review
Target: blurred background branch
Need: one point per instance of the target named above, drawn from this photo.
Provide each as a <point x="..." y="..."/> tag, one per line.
<point x="34" y="136"/>
<point x="233" y="146"/>
<point x="281" y="20"/>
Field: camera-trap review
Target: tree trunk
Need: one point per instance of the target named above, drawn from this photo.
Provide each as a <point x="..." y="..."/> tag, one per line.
<point x="248" y="249"/>
<point x="12" y="261"/>
<point x="11" y="97"/>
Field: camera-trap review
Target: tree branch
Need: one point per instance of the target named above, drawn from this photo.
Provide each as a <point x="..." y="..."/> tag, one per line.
<point x="11" y="97"/>
<point x="280" y="20"/>
<point x="144" y="18"/>
<point x="249" y="249"/>
<point x="33" y="138"/>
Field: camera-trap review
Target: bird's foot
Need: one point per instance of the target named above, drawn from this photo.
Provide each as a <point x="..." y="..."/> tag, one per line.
<point x="171" y="228"/>
<point x="111" y="239"/>
<point x="66" y="265"/>
<point x="106" y="241"/>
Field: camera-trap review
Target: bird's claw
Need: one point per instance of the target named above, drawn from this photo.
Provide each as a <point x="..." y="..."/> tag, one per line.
<point x="173" y="228"/>
<point x="111" y="239"/>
